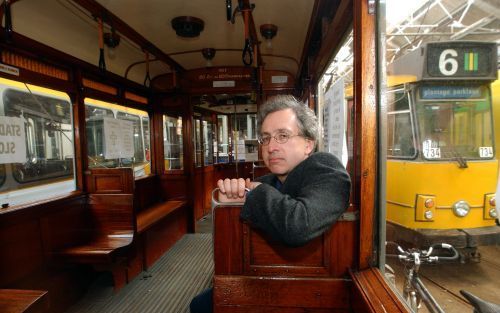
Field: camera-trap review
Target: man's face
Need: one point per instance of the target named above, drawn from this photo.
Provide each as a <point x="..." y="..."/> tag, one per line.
<point x="281" y="158"/>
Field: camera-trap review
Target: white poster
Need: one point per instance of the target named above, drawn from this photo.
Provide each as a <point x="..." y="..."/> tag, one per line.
<point x="334" y="122"/>
<point x="111" y="138"/>
<point x="127" y="134"/>
<point x="118" y="138"/>
<point x="12" y="140"/>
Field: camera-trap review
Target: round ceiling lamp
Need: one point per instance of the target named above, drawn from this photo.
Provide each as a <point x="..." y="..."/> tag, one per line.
<point x="187" y="26"/>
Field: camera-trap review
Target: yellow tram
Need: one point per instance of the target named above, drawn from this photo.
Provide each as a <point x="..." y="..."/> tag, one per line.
<point x="441" y="164"/>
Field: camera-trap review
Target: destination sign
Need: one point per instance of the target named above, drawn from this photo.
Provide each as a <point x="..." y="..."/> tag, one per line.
<point x="463" y="60"/>
<point x="450" y="92"/>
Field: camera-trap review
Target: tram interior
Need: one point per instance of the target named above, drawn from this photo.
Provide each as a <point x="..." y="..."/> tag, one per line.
<point x="130" y="111"/>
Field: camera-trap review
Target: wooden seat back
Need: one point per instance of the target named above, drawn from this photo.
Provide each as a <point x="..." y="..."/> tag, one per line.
<point x="254" y="273"/>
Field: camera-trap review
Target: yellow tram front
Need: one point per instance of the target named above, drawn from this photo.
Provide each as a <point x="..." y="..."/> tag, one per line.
<point x="441" y="168"/>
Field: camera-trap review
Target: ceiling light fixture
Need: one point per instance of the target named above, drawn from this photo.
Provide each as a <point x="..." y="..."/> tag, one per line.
<point x="268" y="31"/>
<point x="208" y="54"/>
<point x="187" y="26"/>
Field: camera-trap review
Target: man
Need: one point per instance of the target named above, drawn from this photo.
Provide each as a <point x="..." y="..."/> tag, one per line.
<point x="305" y="193"/>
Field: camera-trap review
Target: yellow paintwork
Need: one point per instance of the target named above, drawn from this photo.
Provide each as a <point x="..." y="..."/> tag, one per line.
<point x="394" y="80"/>
<point x="448" y="183"/>
<point x="495" y="97"/>
<point x="115" y="107"/>
<point x="33" y="88"/>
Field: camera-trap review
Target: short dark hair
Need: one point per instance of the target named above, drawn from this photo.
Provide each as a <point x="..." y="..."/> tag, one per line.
<point x="306" y="119"/>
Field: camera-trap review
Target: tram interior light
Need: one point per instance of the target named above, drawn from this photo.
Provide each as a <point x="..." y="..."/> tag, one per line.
<point x="268" y="31"/>
<point x="208" y="54"/>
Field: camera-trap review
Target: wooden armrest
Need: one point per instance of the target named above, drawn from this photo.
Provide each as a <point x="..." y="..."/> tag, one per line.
<point x="27" y="301"/>
<point x="149" y="216"/>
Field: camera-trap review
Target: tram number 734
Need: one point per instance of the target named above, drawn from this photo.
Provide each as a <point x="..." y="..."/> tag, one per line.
<point x="440" y="146"/>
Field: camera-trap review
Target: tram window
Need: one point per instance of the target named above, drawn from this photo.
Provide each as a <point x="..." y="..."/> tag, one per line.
<point x="116" y="148"/>
<point x="400" y="135"/>
<point x="46" y="167"/>
<point x="208" y="147"/>
<point x="172" y="142"/>
<point x="145" y="137"/>
<point x="222" y="139"/>
<point x="197" y="142"/>
<point x="456" y="129"/>
<point x="246" y="125"/>
<point x="245" y="130"/>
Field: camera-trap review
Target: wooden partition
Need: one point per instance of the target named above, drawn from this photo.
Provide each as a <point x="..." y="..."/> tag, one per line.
<point x="254" y="273"/>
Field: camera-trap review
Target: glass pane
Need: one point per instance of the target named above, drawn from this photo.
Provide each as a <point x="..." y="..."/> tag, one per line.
<point x="127" y="132"/>
<point x="245" y="136"/>
<point x="172" y="142"/>
<point x="456" y="129"/>
<point x="442" y="167"/>
<point x="208" y="142"/>
<point x="197" y="142"/>
<point x="400" y="135"/>
<point x="222" y="139"/>
<point x="36" y="146"/>
<point x="336" y="105"/>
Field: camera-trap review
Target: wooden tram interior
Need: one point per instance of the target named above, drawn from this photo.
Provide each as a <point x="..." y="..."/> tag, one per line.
<point x="113" y="221"/>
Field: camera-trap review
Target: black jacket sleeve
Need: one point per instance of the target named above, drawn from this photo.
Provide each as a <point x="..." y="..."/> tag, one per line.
<point x="314" y="195"/>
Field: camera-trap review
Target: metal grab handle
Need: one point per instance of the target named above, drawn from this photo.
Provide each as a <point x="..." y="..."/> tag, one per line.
<point x="217" y="203"/>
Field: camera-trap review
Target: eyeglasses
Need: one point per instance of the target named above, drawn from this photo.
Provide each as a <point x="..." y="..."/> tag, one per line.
<point x="280" y="138"/>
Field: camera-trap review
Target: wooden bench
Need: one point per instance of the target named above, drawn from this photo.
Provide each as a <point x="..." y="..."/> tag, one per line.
<point x="110" y="228"/>
<point x="156" y="218"/>
<point x="23" y="301"/>
<point x="150" y="204"/>
<point x="254" y="273"/>
<point x="97" y="229"/>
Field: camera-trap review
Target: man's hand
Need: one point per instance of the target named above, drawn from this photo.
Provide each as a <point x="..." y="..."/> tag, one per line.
<point x="233" y="190"/>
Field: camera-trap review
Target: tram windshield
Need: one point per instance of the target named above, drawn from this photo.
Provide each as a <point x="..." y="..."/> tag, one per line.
<point x="455" y="127"/>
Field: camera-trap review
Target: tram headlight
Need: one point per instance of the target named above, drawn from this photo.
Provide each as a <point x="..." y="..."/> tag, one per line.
<point x="461" y="208"/>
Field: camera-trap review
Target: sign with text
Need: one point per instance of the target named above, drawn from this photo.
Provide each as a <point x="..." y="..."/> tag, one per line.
<point x="9" y="69"/>
<point x="461" y="59"/>
<point x="118" y="138"/>
<point x="334" y="122"/>
<point x="12" y="140"/>
<point x="450" y="92"/>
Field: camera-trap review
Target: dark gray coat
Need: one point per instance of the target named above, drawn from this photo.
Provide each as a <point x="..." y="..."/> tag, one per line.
<point x="312" y="198"/>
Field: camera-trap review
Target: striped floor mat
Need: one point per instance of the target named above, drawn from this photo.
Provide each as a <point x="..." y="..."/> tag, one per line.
<point x="168" y="287"/>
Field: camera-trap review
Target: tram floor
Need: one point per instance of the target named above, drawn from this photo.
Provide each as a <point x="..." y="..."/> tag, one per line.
<point x="167" y="287"/>
<point x="445" y="280"/>
<point x="204" y="225"/>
